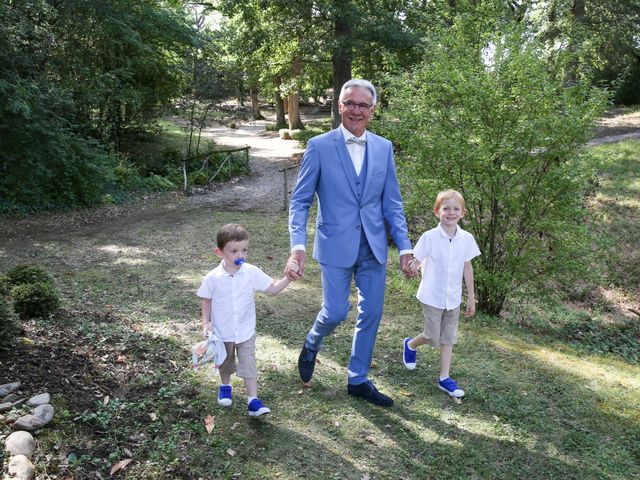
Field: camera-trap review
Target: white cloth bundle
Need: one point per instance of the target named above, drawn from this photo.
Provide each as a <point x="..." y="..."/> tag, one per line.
<point x="210" y="350"/>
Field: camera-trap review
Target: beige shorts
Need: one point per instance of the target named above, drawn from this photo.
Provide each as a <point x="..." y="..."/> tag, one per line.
<point x="241" y="359"/>
<point x="440" y="326"/>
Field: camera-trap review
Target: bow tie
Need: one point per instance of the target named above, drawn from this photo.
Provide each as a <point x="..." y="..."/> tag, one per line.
<point x="357" y="141"/>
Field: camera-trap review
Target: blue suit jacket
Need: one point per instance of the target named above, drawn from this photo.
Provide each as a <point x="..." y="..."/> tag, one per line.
<point x="326" y="172"/>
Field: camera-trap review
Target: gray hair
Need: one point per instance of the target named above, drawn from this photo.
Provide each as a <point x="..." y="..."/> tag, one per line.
<point x="357" y="82"/>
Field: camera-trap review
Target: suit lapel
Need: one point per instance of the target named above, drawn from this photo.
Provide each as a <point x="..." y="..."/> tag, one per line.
<point x="345" y="159"/>
<point x="369" y="155"/>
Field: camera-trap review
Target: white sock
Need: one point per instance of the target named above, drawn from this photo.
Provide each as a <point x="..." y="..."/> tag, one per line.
<point x="443" y="378"/>
<point x="409" y="347"/>
<point x="225" y="384"/>
<point x="250" y="399"/>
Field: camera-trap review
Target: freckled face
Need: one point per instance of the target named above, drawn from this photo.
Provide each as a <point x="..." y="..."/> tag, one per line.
<point x="450" y="212"/>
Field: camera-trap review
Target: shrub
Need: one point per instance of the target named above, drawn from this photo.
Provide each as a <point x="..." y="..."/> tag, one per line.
<point x="9" y="327"/>
<point x="484" y="114"/>
<point x="21" y="274"/>
<point x="5" y="286"/>
<point x="35" y="300"/>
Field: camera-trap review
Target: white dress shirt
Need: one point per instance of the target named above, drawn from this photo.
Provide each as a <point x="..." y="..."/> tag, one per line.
<point x="356" y="152"/>
<point x="233" y="309"/>
<point x="442" y="259"/>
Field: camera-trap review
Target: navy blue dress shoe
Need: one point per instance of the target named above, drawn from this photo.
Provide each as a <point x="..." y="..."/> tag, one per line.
<point x="370" y="393"/>
<point x="306" y="363"/>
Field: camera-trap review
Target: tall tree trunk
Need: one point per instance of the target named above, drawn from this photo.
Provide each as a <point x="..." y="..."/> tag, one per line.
<point x="341" y="58"/>
<point x="577" y="38"/>
<point x="255" y="105"/>
<point x="281" y="121"/>
<point x="295" y="122"/>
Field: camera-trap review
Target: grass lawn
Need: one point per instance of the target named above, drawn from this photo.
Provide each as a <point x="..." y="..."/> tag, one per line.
<point x="541" y="402"/>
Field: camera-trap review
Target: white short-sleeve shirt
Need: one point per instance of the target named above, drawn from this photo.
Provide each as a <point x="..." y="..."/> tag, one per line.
<point x="233" y="308"/>
<point x="442" y="259"/>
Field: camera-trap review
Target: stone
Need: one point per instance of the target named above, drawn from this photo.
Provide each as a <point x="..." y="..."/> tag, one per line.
<point x="8" y="388"/>
<point x="12" y="397"/>
<point x="20" y="443"/>
<point x="5" y="407"/>
<point x="21" y="468"/>
<point x="44" y="412"/>
<point x="41" y="399"/>
<point x="29" y="423"/>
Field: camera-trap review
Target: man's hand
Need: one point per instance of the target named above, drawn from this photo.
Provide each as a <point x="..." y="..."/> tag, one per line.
<point x="408" y="265"/>
<point x="295" y="265"/>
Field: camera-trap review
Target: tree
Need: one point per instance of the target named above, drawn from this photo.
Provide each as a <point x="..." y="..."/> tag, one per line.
<point x="483" y="114"/>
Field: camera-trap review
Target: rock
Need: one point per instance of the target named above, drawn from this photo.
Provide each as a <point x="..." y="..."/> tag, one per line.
<point x="20" y="443"/>
<point x="8" y="388"/>
<point x="29" y="423"/>
<point x="20" y="468"/>
<point x="12" y="397"/>
<point x="5" y="407"/>
<point x="44" y="412"/>
<point x="41" y="399"/>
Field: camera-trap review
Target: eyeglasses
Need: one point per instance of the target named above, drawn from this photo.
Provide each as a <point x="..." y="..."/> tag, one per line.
<point x="363" y="107"/>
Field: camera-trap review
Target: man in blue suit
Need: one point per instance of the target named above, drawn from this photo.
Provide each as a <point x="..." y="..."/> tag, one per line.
<point x="352" y="173"/>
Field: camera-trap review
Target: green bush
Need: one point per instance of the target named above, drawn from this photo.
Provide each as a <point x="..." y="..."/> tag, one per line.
<point x="483" y="114"/>
<point x="9" y="326"/>
<point x="21" y="274"/>
<point x="5" y="286"/>
<point x="303" y="136"/>
<point x="35" y="300"/>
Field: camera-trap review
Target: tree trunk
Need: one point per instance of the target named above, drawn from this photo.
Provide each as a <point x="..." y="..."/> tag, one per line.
<point x="281" y="121"/>
<point x="341" y="60"/>
<point x="255" y="105"/>
<point x="295" y="122"/>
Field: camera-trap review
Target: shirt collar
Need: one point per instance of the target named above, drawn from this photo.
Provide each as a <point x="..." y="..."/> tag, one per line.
<point x="227" y="274"/>
<point x="445" y="235"/>
<point x="346" y="134"/>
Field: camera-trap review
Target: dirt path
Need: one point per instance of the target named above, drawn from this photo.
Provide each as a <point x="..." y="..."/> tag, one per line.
<point x="264" y="189"/>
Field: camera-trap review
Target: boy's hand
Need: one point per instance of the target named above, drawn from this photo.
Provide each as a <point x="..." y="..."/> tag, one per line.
<point x="295" y="265"/>
<point x="408" y="266"/>
<point x="471" y="308"/>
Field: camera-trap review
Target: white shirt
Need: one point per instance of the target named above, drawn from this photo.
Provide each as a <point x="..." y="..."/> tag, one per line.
<point x="233" y="308"/>
<point x="442" y="259"/>
<point x="356" y="152"/>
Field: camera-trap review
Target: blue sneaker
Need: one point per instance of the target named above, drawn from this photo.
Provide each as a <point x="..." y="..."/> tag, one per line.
<point x="450" y="386"/>
<point x="408" y="355"/>
<point x="257" y="408"/>
<point x="224" y="396"/>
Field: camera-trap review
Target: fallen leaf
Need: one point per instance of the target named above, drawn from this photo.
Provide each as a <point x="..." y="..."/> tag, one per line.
<point x="318" y="361"/>
<point x="127" y="452"/>
<point x="300" y="392"/>
<point x="121" y="359"/>
<point x="153" y="416"/>
<point x="374" y="364"/>
<point x="120" y="465"/>
<point x="371" y="439"/>
<point x="173" y="362"/>
<point x="365" y="476"/>
<point x="406" y="394"/>
<point x="105" y="400"/>
<point x="209" y="423"/>
<point x="235" y="425"/>
<point x="231" y="452"/>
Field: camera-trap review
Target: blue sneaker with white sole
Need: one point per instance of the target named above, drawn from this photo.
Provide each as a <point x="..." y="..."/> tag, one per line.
<point x="257" y="408"/>
<point x="224" y="395"/>
<point x="448" y="385"/>
<point x="408" y="355"/>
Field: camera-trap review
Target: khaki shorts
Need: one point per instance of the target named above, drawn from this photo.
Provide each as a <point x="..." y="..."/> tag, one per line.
<point x="241" y="359"/>
<point x="440" y="326"/>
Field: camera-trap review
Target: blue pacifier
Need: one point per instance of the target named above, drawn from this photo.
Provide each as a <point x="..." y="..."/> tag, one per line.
<point x="239" y="261"/>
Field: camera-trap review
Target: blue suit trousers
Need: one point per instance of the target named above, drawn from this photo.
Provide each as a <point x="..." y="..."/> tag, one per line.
<point x="369" y="276"/>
